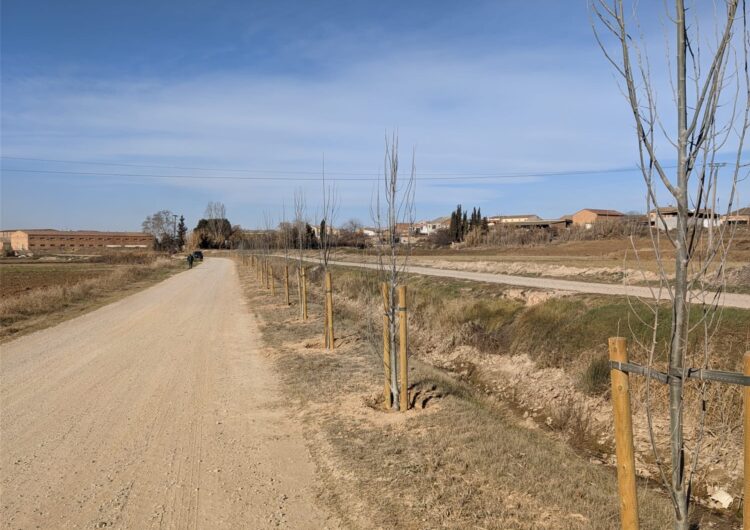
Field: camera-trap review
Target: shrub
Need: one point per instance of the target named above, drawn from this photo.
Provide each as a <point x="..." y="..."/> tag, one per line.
<point x="595" y="378"/>
<point x="441" y="238"/>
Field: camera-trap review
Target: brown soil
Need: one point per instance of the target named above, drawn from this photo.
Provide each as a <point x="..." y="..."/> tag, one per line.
<point x="20" y="278"/>
<point x="157" y="411"/>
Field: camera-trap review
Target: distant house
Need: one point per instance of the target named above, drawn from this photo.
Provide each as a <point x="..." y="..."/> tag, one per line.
<point x="737" y="217"/>
<point x="666" y="217"/>
<point x="588" y="216"/>
<point x="426" y="228"/>
<point x="518" y="218"/>
<point x="331" y="231"/>
<point x="405" y="230"/>
<point x="552" y="224"/>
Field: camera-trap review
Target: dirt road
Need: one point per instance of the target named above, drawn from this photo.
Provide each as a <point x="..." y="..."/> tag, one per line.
<point x="741" y="301"/>
<point x="158" y="411"/>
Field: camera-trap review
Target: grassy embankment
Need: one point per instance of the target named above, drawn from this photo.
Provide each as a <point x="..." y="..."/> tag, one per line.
<point x="465" y="460"/>
<point x="38" y="294"/>
<point x="549" y="358"/>
<point x="471" y="329"/>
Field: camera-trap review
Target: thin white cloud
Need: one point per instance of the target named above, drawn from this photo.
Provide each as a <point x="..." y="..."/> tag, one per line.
<point x="535" y="110"/>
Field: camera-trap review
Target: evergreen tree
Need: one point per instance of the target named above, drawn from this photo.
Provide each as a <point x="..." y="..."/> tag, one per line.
<point x="323" y="235"/>
<point x="456" y="229"/>
<point x="181" y="233"/>
<point x="311" y="241"/>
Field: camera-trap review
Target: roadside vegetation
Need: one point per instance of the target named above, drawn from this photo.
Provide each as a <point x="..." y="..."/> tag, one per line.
<point x="503" y="361"/>
<point x="41" y="293"/>
<point x="458" y="460"/>
<point x="546" y="353"/>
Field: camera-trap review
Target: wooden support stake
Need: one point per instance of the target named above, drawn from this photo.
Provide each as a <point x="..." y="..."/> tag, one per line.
<point x="387" y="396"/>
<point x="746" y="436"/>
<point x="329" y="310"/>
<point x="268" y="279"/>
<point x="618" y="351"/>
<point x="273" y="282"/>
<point x="304" y="294"/>
<point x="402" y="343"/>
<point x="299" y="289"/>
<point x="286" y="283"/>
<point x="325" y="313"/>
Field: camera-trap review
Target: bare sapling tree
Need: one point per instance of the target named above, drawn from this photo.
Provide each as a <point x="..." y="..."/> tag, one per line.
<point x="711" y="104"/>
<point x="267" y="242"/>
<point x="326" y="237"/>
<point x="285" y="235"/>
<point x="216" y="214"/>
<point x="329" y="210"/>
<point x="393" y="214"/>
<point x="300" y="225"/>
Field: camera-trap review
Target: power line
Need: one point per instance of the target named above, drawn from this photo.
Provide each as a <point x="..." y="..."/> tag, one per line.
<point x="455" y="177"/>
<point x="316" y="172"/>
<point x="193" y="177"/>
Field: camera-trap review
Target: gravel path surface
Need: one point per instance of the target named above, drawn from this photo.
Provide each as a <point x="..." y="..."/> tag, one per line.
<point x="741" y="301"/>
<point x="157" y="411"/>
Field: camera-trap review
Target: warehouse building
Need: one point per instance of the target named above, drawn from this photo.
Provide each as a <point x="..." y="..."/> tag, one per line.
<point x="59" y="240"/>
<point x="588" y="216"/>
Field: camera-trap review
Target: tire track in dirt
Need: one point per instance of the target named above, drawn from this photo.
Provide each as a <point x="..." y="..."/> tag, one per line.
<point x="157" y="411"/>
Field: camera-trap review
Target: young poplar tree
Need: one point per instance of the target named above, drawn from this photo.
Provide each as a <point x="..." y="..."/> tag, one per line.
<point x="300" y="226"/>
<point x="393" y="206"/>
<point x="708" y="70"/>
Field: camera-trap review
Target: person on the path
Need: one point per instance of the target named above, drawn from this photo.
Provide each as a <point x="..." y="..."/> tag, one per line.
<point x="190" y="261"/>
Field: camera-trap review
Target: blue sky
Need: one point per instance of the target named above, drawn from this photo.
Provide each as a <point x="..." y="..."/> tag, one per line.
<point x="479" y="87"/>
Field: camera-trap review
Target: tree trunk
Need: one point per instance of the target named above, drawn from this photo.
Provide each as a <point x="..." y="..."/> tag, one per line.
<point x="678" y="337"/>
<point x="394" y="352"/>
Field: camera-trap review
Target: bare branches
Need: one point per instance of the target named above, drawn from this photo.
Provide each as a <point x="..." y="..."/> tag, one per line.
<point x="708" y="114"/>
<point x="329" y="211"/>
<point x="215" y="215"/>
<point x="393" y="214"/>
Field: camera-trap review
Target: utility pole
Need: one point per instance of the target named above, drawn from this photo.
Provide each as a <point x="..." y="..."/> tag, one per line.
<point x="174" y="230"/>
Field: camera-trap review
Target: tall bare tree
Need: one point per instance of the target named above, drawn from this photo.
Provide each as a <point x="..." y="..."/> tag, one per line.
<point x="326" y="237"/>
<point x="215" y="215"/>
<point x="300" y="225"/>
<point x="329" y="211"/>
<point x="711" y="99"/>
<point x="160" y="226"/>
<point x="286" y="242"/>
<point x="393" y="206"/>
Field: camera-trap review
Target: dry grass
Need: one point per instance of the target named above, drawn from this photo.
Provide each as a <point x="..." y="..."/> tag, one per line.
<point x="58" y="292"/>
<point x="465" y="461"/>
<point x="547" y="359"/>
<point x="18" y="278"/>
